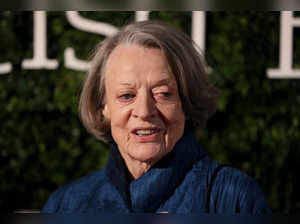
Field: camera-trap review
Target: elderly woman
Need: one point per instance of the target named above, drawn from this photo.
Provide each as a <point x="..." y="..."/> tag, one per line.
<point x="145" y="93"/>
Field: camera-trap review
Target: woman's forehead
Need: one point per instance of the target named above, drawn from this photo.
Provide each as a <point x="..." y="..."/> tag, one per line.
<point x="133" y="83"/>
<point x="130" y="63"/>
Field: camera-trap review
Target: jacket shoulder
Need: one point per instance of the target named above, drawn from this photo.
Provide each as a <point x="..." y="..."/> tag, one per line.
<point x="244" y="192"/>
<point x="232" y="191"/>
<point x="74" y="193"/>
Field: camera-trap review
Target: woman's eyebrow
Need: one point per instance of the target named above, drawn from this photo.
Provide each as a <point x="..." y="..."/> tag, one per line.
<point x="126" y="84"/>
<point x="166" y="81"/>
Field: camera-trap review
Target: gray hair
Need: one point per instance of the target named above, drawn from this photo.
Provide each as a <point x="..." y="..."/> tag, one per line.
<point x="197" y="94"/>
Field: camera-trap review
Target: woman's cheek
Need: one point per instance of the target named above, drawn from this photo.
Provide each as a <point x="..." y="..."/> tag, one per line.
<point x="174" y="112"/>
<point x="122" y="114"/>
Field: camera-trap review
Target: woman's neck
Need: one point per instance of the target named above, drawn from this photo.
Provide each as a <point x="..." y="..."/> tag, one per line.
<point x="136" y="168"/>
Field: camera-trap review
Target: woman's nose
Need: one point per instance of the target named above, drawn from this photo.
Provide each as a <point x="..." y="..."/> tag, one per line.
<point x="144" y="107"/>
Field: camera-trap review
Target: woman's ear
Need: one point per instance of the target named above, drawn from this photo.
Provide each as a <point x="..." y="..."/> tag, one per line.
<point x="106" y="112"/>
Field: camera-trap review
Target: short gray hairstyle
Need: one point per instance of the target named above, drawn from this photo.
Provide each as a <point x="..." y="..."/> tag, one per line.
<point x="198" y="95"/>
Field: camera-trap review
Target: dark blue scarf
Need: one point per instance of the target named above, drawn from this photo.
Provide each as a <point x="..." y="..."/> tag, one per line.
<point x="148" y="192"/>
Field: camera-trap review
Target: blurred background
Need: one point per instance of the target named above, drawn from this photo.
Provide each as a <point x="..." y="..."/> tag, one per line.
<point x="43" y="144"/>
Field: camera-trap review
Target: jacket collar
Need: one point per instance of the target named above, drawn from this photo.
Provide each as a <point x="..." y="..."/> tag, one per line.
<point x="152" y="189"/>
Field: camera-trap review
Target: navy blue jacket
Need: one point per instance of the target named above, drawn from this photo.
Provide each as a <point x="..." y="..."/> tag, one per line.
<point x="178" y="183"/>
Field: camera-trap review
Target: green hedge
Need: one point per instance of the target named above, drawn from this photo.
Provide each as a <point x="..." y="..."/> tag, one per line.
<point x="43" y="144"/>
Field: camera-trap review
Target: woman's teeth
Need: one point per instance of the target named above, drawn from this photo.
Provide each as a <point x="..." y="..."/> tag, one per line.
<point x="145" y="132"/>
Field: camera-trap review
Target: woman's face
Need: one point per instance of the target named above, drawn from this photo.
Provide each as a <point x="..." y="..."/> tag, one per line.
<point x="142" y="103"/>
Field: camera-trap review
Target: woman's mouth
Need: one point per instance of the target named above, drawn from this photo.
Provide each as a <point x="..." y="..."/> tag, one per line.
<point x="146" y="132"/>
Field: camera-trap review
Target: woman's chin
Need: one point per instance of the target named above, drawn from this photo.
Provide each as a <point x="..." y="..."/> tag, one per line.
<point x="148" y="152"/>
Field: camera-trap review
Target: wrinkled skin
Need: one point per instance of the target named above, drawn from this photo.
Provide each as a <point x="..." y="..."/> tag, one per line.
<point x="142" y="94"/>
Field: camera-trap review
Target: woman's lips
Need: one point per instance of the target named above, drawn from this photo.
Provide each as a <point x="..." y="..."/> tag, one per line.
<point x="146" y="134"/>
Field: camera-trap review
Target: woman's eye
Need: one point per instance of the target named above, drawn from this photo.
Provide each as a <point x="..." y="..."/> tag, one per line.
<point x="162" y="96"/>
<point x="127" y="96"/>
<point x="165" y="94"/>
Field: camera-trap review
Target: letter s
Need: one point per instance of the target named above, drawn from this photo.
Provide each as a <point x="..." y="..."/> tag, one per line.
<point x="88" y="25"/>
